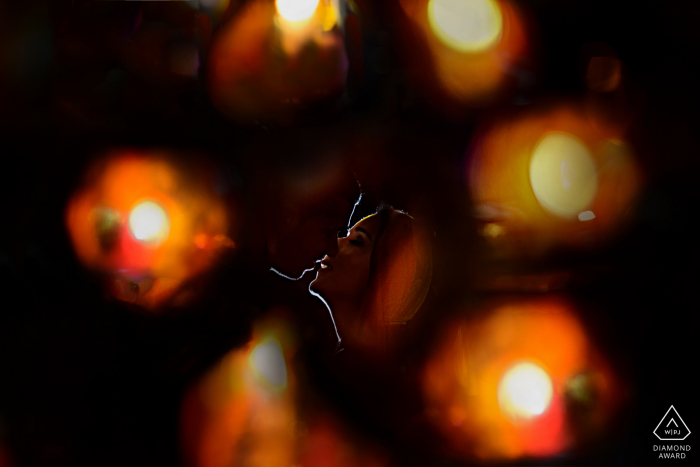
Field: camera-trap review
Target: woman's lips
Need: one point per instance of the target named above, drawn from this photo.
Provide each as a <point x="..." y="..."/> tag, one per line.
<point x="326" y="265"/>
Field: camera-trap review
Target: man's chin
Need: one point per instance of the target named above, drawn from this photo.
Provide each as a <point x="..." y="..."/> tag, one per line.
<point x="293" y="275"/>
<point x="286" y="274"/>
<point x="313" y="286"/>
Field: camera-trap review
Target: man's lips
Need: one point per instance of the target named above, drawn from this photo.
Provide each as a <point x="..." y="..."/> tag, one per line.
<point x="326" y="265"/>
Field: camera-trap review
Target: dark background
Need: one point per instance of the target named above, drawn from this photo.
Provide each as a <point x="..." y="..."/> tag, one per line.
<point x="72" y="83"/>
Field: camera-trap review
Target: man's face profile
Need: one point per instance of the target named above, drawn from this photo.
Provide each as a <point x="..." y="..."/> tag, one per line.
<point x="309" y="203"/>
<point x="308" y="235"/>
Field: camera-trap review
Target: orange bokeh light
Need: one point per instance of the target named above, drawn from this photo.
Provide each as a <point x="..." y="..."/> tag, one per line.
<point x="474" y="76"/>
<point x="235" y="399"/>
<point x="258" y="47"/>
<point x="239" y="413"/>
<point x="125" y="191"/>
<point x="464" y="380"/>
<point x="595" y="169"/>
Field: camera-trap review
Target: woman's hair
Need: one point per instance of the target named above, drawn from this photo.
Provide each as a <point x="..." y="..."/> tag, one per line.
<point x="400" y="270"/>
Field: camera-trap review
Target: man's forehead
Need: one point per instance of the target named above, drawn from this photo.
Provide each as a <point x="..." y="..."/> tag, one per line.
<point x="332" y="196"/>
<point x="333" y="177"/>
<point x="334" y="208"/>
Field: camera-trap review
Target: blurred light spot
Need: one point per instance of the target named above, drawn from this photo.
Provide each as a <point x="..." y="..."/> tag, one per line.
<point x="492" y="230"/>
<point x="201" y="240"/>
<point x="525" y="391"/>
<point x="296" y="10"/>
<point x="586" y="216"/>
<point x="563" y="175"/>
<point x="603" y="74"/>
<point x="267" y="360"/>
<point x="466" y="25"/>
<point x="148" y="222"/>
<point x="223" y="241"/>
<point x="330" y="19"/>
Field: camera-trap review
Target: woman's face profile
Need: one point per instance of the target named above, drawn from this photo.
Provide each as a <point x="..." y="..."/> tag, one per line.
<point x="343" y="278"/>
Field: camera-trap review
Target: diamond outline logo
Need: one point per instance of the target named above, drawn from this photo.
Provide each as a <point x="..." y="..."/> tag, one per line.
<point x="672" y="419"/>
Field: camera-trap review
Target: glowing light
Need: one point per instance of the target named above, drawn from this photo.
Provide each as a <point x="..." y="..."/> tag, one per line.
<point x="563" y="175"/>
<point x="466" y="25"/>
<point x="525" y="391"/>
<point x="492" y="230"/>
<point x="149" y="222"/>
<point x="268" y="363"/>
<point x="296" y="10"/>
<point x="586" y="216"/>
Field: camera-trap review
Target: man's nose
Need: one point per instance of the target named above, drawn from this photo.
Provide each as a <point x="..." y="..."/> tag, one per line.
<point x="332" y="247"/>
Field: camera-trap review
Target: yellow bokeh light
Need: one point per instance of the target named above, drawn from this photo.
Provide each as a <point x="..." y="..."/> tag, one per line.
<point x="492" y="230"/>
<point x="563" y="174"/>
<point x="296" y="10"/>
<point x="267" y="361"/>
<point x="466" y="25"/>
<point x="525" y="391"/>
<point x="149" y="222"/>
